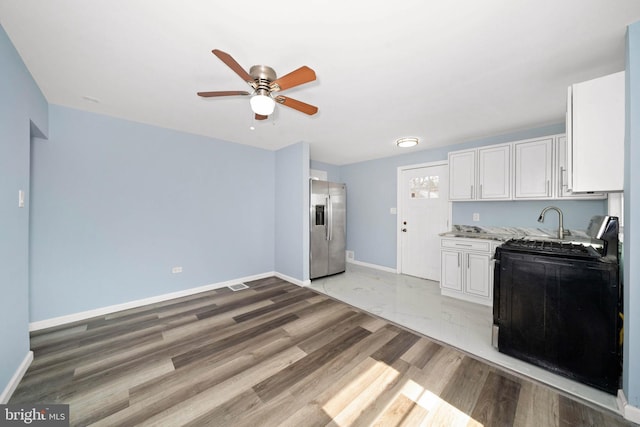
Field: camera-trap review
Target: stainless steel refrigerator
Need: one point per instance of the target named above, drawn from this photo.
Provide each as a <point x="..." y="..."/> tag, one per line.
<point x="328" y="219"/>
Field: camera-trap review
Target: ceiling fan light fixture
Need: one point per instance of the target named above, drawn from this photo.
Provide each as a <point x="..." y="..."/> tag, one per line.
<point x="262" y="104"/>
<point x="407" y="142"/>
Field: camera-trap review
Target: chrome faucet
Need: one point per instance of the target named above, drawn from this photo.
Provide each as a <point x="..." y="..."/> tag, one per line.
<point x="560" y="221"/>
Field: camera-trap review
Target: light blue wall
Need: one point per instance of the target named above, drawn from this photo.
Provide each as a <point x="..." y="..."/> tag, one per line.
<point x="576" y="215"/>
<point x="371" y="231"/>
<point x="23" y="111"/>
<point x="333" y="171"/>
<point x="292" y="212"/>
<point x="117" y="204"/>
<point x="631" y="369"/>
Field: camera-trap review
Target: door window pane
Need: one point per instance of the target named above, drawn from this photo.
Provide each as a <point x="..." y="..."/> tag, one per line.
<point x="425" y="187"/>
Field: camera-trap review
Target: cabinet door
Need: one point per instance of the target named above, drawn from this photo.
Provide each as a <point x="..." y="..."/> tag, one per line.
<point x="597" y="134"/>
<point x="462" y="175"/>
<point x="451" y="272"/>
<point x="533" y="161"/>
<point x="562" y="180"/>
<point x="477" y="277"/>
<point x="494" y="172"/>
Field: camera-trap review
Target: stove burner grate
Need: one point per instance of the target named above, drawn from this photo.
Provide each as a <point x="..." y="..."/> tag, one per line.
<point x="545" y="246"/>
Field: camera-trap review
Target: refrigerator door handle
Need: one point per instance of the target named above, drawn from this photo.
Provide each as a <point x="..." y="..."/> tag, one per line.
<point x="329" y="218"/>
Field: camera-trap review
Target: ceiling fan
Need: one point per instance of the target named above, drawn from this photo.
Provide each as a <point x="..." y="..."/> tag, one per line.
<point x="264" y="82"/>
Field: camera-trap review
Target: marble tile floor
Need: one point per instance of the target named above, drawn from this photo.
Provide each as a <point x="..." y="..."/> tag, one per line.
<point x="417" y="304"/>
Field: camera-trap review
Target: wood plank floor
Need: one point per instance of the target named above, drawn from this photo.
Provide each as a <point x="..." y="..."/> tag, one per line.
<point x="276" y="355"/>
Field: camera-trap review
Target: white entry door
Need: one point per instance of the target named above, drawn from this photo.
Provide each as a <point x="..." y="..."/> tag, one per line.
<point x="424" y="214"/>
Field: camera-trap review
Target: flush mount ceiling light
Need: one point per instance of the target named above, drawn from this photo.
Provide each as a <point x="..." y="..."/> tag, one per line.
<point x="406" y="142"/>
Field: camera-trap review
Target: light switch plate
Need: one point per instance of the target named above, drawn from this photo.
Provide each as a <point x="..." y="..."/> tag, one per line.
<point x="21" y="198"/>
<point x="476" y="216"/>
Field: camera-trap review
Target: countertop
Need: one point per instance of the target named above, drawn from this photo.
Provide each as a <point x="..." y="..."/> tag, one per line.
<point x="505" y="233"/>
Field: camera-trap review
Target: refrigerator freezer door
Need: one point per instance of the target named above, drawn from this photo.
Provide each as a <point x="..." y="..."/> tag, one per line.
<point x="337" y="228"/>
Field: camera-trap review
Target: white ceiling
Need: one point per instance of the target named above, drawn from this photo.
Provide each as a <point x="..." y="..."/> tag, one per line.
<point x="446" y="71"/>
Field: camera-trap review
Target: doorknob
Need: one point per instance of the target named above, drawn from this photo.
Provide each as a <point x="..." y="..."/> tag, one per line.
<point x="404" y="230"/>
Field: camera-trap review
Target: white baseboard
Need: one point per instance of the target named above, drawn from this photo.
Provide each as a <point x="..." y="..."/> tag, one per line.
<point x="293" y="280"/>
<point x="375" y="266"/>
<point x="630" y="412"/>
<point x="56" y="321"/>
<point x="15" y="379"/>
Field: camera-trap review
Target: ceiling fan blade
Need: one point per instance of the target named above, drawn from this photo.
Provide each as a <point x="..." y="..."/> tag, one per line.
<point x="300" y="76"/>
<point x="297" y="105"/>
<point x="261" y="117"/>
<point x="231" y="63"/>
<point x="222" y="93"/>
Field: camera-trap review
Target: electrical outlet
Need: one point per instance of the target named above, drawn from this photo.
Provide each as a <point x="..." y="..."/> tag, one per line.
<point x="476" y="216"/>
<point x="176" y="270"/>
<point x="350" y="255"/>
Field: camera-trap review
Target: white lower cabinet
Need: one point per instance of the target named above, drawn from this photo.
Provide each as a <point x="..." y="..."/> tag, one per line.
<point x="467" y="269"/>
<point x="477" y="280"/>
<point x="451" y="272"/>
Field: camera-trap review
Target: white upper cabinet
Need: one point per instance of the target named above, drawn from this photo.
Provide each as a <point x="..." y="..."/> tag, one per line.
<point x="562" y="179"/>
<point x="480" y="174"/>
<point x="595" y="134"/>
<point x="533" y="169"/>
<point x="462" y="182"/>
<point x="494" y="172"/>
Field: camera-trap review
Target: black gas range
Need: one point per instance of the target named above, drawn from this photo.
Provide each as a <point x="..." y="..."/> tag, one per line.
<point x="557" y="304"/>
